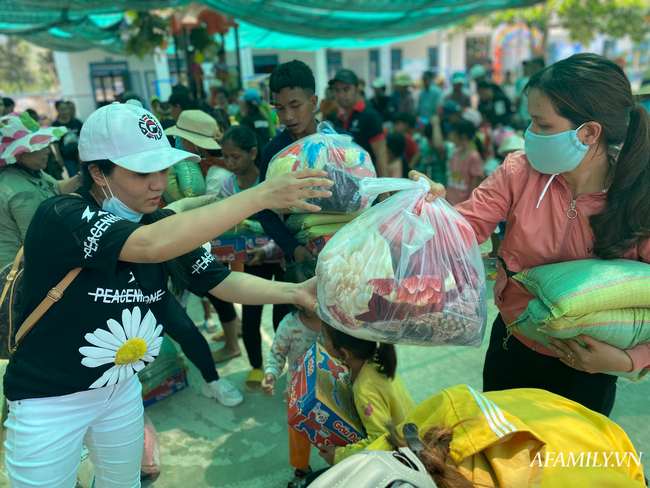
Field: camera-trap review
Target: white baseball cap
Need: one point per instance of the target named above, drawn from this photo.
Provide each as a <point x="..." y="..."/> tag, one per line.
<point x="377" y="469"/>
<point x="130" y="137"/>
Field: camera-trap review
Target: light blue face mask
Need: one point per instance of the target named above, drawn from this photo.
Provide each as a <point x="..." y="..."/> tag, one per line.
<point x="115" y="206"/>
<point x="555" y="154"/>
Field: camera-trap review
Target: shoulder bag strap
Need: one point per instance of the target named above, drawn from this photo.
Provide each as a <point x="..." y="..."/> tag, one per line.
<point x="12" y="275"/>
<point x="53" y="296"/>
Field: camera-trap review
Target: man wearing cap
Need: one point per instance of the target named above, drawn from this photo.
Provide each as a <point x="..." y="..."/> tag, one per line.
<point x="430" y="96"/>
<point x="458" y="94"/>
<point x="72" y="380"/>
<point x="361" y="121"/>
<point x="250" y="103"/>
<point x="402" y="100"/>
<point x="380" y="101"/>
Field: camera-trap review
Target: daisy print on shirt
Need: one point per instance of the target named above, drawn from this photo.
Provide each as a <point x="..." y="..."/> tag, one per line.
<point x="129" y="346"/>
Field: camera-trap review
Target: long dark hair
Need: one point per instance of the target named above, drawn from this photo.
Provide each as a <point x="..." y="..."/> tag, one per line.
<point x="244" y="138"/>
<point x="436" y="455"/>
<point x="587" y="87"/>
<point x="383" y="355"/>
<point x="178" y="267"/>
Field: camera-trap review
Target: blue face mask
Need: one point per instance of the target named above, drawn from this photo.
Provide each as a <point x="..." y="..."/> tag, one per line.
<point x="552" y="155"/>
<point x="115" y="206"/>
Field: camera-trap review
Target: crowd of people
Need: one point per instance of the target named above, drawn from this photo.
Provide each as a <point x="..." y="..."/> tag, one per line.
<point x="128" y="198"/>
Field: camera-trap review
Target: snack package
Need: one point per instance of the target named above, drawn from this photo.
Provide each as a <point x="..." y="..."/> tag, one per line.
<point x="406" y="271"/>
<point x="346" y="164"/>
<point x="321" y="406"/>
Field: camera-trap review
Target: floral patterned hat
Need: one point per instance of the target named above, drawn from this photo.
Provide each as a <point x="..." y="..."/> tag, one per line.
<point x="21" y="134"/>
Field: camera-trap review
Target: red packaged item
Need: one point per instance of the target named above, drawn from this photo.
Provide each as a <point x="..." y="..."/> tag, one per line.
<point x="406" y="271"/>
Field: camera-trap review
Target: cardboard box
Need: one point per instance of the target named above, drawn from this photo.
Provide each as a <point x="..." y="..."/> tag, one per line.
<point x="232" y="249"/>
<point x="321" y="406"/>
<point x="172" y="384"/>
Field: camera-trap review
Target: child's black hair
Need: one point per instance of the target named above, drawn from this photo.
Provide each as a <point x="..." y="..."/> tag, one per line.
<point x="244" y="138"/>
<point x="183" y="100"/>
<point x="383" y="355"/>
<point x="408" y="119"/>
<point x="484" y="85"/>
<point x="299" y="272"/>
<point x="428" y="131"/>
<point x="396" y="143"/>
<point x="464" y="127"/>
<point x="294" y="74"/>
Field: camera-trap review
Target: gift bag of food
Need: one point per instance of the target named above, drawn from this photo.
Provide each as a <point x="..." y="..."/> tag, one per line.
<point x="406" y="271"/>
<point x="344" y="162"/>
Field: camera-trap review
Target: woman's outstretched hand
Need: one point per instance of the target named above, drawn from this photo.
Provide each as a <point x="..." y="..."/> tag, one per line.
<point x="288" y="190"/>
<point x="437" y="190"/>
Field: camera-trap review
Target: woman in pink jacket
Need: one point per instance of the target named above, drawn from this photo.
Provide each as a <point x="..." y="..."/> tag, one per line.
<point x="571" y="195"/>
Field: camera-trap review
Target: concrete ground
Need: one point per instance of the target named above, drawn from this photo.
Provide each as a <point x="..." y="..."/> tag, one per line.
<point x="206" y="445"/>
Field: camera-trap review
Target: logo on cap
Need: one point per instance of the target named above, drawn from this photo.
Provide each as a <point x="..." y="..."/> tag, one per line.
<point x="150" y="128"/>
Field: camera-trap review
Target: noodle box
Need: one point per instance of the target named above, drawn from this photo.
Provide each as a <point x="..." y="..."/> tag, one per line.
<point x="174" y="383"/>
<point x="233" y="249"/>
<point x="321" y="407"/>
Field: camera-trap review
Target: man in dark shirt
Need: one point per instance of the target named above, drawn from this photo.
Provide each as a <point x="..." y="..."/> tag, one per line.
<point x="252" y="118"/>
<point x="69" y="144"/>
<point x="380" y="101"/>
<point x="495" y="106"/>
<point x="361" y="121"/>
<point x="293" y="89"/>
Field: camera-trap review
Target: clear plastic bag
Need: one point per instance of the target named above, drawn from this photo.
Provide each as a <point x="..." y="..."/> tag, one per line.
<point x="345" y="162"/>
<point x="406" y="271"/>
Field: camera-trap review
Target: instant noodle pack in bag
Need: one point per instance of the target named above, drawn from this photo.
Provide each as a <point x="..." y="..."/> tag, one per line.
<point x="345" y="163"/>
<point x="406" y="271"/>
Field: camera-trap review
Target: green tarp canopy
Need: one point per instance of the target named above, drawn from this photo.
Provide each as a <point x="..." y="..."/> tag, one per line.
<point x="73" y="25"/>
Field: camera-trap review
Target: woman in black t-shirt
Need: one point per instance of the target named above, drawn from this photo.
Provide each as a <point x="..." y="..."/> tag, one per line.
<point x="73" y="379"/>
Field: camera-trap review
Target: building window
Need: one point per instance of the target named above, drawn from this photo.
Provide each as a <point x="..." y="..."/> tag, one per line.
<point x="375" y="65"/>
<point x="396" y="59"/>
<point x="477" y="50"/>
<point x="264" y="64"/>
<point x="334" y="63"/>
<point x="433" y="59"/>
<point x="109" y="80"/>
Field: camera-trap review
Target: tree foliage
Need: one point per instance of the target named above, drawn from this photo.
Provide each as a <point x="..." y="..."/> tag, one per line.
<point x="145" y="33"/>
<point x="24" y="68"/>
<point x="583" y="19"/>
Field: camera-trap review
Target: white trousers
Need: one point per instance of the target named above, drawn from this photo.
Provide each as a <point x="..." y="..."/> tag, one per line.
<point x="45" y="437"/>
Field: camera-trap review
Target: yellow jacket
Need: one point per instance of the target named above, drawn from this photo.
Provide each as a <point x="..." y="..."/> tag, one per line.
<point x="521" y="438"/>
<point x="379" y="400"/>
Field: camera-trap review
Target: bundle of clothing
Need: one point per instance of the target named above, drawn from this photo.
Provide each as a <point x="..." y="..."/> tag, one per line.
<point x="406" y="271"/>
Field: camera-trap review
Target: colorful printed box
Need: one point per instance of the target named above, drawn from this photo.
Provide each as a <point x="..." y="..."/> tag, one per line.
<point x="232" y="249"/>
<point x="172" y="384"/>
<point x="321" y="406"/>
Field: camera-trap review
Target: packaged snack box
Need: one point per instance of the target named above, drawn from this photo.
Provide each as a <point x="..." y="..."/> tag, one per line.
<point x="321" y="406"/>
<point x="232" y="249"/>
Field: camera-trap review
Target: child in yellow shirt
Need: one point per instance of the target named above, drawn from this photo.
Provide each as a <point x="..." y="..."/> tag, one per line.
<point x="380" y="394"/>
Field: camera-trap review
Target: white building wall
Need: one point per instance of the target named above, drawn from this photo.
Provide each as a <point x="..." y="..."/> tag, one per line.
<point x="73" y="70"/>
